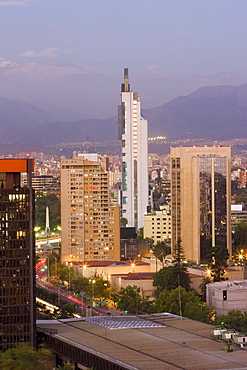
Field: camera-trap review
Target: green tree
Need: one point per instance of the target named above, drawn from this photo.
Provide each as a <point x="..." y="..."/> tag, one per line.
<point x="235" y="319"/>
<point x="240" y="235"/>
<point x="241" y="195"/>
<point x="188" y="304"/>
<point x="219" y="257"/>
<point x="81" y="284"/>
<point x="206" y="280"/>
<point x="160" y="251"/>
<point x="140" y="234"/>
<point x="178" y="254"/>
<point x="21" y="357"/>
<point x="129" y="299"/>
<point x="171" y="277"/>
<point x="123" y="222"/>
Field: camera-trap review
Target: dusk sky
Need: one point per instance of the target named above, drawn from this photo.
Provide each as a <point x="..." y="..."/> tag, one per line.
<point x="179" y="37"/>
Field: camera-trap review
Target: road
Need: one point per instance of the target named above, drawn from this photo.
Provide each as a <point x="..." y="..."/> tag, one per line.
<point x="42" y="282"/>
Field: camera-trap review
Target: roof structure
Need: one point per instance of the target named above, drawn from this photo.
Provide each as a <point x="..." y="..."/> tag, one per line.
<point x="174" y="344"/>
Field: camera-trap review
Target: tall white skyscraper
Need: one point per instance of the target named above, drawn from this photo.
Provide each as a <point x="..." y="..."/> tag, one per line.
<point x="133" y="131"/>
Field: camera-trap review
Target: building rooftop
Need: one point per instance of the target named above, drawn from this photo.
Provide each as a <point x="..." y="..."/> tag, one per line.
<point x="138" y="276"/>
<point x="171" y="343"/>
<point x="109" y="263"/>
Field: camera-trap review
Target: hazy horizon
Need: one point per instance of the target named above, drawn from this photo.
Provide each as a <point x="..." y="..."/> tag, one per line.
<point x="171" y="47"/>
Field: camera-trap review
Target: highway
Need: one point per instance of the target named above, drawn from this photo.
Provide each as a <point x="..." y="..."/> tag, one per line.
<point x="42" y="282"/>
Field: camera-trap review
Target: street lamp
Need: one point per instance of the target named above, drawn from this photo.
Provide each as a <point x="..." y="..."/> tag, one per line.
<point x="83" y="269"/>
<point x="92" y="282"/>
<point x="133" y="267"/>
<point x="69" y="264"/>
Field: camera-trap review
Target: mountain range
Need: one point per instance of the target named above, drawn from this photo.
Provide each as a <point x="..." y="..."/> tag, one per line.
<point x="72" y="93"/>
<point x="213" y="112"/>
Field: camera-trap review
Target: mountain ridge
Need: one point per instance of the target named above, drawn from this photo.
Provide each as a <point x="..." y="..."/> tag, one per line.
<point x="215" y="112"/>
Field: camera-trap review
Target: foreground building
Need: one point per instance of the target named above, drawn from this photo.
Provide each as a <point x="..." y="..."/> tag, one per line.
<point x="17" y="254"/>
<point x="159" y="341"/>
<point x="201" y="199"/>
<point x="132" y="131"/>
<point x="90" y="224"/>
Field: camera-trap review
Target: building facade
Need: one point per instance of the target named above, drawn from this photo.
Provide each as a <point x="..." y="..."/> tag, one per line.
<point x="17" y="254"/>
<point x="132" y="131"/>
<point x="157" y="225"/>
<point x="90" y="224"/>
<point x="237" y="215"/>
<point x="44" y="185"/>
<point x="225" y="296"/>
<point x="201" y="199"/>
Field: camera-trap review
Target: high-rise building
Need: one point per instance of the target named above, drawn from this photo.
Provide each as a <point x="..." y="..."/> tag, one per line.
<point x="90" y="224"/>
<point x="17" y="254"/>
<point x="201" y="199"/>
<point x="133" y="131"/>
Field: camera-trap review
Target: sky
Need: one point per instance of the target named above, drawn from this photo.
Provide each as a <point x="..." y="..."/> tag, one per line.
<point x="180" y="37"/>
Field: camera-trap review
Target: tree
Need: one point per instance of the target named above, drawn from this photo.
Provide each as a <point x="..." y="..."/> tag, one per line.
<point x="206" y="280"/>
<point x="123" y="222"/>
<point x="178" y="254"/>
<point x="160" y="251"/>
<point x="240" y="235"/>
<point x="21" y="357"/>
<point x="219" y="257"/>
<point x="129" y="299"/>
<point x="188" y="304"/>
<point x="235" y="319"/>
<point x="241" y="195"/>
<point x="140" y="233"/>
<point x="171" y="277"/>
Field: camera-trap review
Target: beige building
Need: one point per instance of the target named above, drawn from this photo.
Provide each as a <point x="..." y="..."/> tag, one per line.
<point x="237" y="215"/>
<point x="90" y="224"/>
<point x="157" y="225"/>
<point x="200" y="199"/>
<point x="225" y="296"/>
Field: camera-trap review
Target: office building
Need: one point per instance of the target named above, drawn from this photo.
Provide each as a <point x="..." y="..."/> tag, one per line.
<point x="17" y="254"/>
<point x="90" y="224"/>
<point x="201" y="199"/>
<point x="132" y="131"/>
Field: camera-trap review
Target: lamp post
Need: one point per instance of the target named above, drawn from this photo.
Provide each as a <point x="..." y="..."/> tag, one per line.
<point x="133" y="267"/>
<point x="83" y="269"/>
<point x="92" y="282"/>
<point x="69" y="264"/>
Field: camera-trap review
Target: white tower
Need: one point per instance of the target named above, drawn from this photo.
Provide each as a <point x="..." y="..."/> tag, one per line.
<point x="132" y="131"/>
<point x="47" y="221"/>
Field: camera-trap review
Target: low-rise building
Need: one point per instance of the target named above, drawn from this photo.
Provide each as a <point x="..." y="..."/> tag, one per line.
<point x="105" y="269"/>
<point x="225" y="296"/>
<point x="237" y="215"/>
